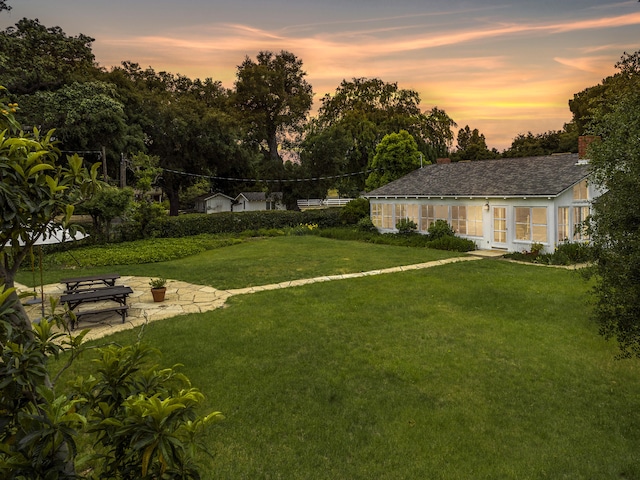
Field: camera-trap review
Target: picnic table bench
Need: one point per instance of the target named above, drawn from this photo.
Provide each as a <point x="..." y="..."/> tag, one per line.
<point x="78" y="284"/>
<point x="117" y="294"/>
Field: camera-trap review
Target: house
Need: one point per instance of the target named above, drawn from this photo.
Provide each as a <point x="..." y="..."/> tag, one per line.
<point x="506" y="204"/>
<point x="256" y="201"/>
<point x="213" y="203"/>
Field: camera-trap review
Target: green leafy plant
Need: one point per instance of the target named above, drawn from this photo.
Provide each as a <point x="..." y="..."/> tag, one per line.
<point x="406" y="226"/>
<point x="158" y="282"/>
<point x="440" y="228"/>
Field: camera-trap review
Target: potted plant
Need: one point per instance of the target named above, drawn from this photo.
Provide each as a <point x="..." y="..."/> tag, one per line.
<point x="158" y="288"/>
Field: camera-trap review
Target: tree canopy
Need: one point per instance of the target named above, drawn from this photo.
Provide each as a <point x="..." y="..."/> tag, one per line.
<point x="615" y="225"/>
<point x="396" y="155"/>
<point x="274" y="97"/>
<point x="351" y="123"/>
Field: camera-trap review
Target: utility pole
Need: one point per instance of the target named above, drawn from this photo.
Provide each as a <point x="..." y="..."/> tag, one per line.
<point x="104" y="163"/>
<point x="123" y="171"/>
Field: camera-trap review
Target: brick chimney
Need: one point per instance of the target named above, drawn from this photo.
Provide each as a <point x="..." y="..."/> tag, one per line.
<point x="443" y="160"/>
<point x="583" y="143"/>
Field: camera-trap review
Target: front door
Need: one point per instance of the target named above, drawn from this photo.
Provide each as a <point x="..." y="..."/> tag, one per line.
<point x="499" y="227"/>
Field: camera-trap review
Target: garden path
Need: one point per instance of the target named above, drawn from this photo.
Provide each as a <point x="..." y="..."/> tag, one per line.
<point x="184" y="298"/>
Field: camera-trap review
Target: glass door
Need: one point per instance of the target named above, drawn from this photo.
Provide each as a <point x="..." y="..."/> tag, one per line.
<point x="500" y="227"/>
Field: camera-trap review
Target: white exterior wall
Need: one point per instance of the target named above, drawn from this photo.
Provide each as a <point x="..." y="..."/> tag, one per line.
<point x="217" y="205"/>
<point x="487" y="241"/>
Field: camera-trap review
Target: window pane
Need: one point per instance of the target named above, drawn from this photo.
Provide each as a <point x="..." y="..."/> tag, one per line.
<point x="539" y="215"/>
<point x="522" y="215"/>
<point x="540" y="233"/>
<point x="563" y="224"/>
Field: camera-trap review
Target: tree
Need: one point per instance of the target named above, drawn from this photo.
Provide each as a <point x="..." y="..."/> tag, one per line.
<point x="396" y="155"/>
<point x="274" y="98"/>
<point x="553" y="141"/>
<point x="37" y="193"/>
<point x="351" y="122"/>
<point x="185" y="124"/>
<point x="143" y="419"/>
<point x="104" y="206"/>
<point x="472" y="145"/>
<point x="615" y="224"/>
<point x="34" y="58"/>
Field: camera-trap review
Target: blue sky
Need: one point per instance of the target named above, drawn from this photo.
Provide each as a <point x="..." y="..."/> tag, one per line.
<point x="504" y="67"/>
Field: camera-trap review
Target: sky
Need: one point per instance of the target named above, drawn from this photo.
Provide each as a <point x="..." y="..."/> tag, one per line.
<point x="503" y="67"/>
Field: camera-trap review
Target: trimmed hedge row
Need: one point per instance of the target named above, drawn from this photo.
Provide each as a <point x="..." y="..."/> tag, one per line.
<point x="237" y="222"/>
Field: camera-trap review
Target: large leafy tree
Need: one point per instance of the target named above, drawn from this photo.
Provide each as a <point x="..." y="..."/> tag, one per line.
<point x="34" y="57"/>
<point x="472" y="145"/>
<point x="396" y="155"/>
<point x="186" y="124"/>
<point x="553" y="141"/>
<point x="274" y="98"/>
<point x="143" y="419"/>
<point x="38" y="193"/>
<point x="615" y="168"/>
<point x="351" y="122"/>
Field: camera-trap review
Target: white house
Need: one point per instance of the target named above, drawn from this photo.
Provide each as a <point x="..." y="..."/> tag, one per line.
<point x="505" y="204"/>
<point x="214" y="203"/>
<point x="256" y="201"/>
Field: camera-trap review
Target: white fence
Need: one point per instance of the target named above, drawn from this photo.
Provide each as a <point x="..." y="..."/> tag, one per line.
<point x="322" y="203"/>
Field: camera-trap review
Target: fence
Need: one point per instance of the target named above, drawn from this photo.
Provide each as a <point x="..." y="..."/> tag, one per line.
<point x="322" y="203"/>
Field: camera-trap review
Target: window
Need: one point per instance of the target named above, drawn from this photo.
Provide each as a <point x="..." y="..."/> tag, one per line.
<point x="459" y="219"/>
<point x="387" y="216"/>
<point x="431" y="213"/>
<point x="580" y="214"/>
<point x="467" y="220"/>
<point x="531" y="224"/>
<point x="376" y="214"/>
<point x="408" y="211"/>
<point x="563" y="224"/>
<point x="581" y="191"/>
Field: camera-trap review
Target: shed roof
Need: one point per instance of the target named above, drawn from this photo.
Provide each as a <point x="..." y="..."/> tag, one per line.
<point x="509" y="177"/>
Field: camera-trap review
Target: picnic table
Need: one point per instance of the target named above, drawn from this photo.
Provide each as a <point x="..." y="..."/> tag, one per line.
<point x="116" y="293"/>
<point x="78" y="284"/>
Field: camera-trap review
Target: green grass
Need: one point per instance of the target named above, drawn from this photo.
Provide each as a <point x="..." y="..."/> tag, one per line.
<point x="477" y="370"/>
<point x="259" y="262"/>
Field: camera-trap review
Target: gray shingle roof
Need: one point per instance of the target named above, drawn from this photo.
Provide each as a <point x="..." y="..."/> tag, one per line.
<point x="509" y="177"/>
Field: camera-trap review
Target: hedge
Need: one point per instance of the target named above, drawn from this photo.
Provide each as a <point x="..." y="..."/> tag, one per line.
<point x="237" y="222"/>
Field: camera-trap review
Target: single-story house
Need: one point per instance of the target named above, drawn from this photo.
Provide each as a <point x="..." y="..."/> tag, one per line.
<point x="214" y="203"/>
<point x="505" y="204"/>
<point x="257" y="201"/>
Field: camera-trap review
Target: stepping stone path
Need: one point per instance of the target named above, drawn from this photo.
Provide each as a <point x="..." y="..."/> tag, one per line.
<point x="184" y="298"/>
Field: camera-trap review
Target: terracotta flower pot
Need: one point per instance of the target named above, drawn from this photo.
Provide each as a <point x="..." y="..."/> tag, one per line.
<point x="158" y="294"/>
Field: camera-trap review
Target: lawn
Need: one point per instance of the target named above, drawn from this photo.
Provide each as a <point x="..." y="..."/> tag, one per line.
<point x="476" y="370"/>
<point x="258" y="262"/>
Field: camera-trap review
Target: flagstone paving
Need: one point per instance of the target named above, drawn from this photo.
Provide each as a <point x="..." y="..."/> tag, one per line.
<point x="184" y="298"/>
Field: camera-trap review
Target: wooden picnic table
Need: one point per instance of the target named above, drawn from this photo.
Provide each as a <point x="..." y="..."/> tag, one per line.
<point x="79" y="283"/>
<point x="117" y="294"/>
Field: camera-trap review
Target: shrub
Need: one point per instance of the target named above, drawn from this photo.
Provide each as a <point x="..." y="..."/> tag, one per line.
<point x="354" y="211"/>
<point x="575" y="252"/>
<point x="366" y="225"/>
<point x="406" y="226"/>
<point x="439" y="229"/>
<point x="452" y="244"/>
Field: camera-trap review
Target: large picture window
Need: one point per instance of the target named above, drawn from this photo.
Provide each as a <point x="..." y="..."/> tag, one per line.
<point x="431" y="213"/>
<point x="408" y="211"/>
<point x="467" y="220"/>
<point x="531" y="224"/>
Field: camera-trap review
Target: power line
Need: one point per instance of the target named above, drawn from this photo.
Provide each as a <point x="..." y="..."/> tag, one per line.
<point x="266" y="180"/>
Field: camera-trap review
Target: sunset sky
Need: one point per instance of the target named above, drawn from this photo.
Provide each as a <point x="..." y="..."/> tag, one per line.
<point x="504" y="67"/>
